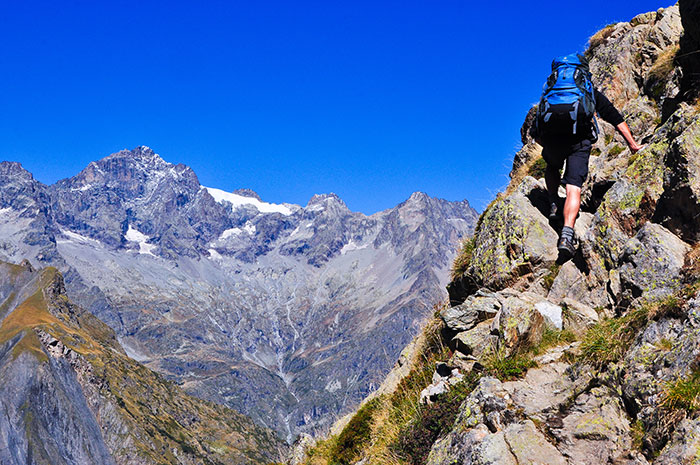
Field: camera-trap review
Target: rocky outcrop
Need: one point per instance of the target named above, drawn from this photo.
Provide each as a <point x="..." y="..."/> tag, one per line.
<point x="617" y="396"/>
<point x="594" y="360"/>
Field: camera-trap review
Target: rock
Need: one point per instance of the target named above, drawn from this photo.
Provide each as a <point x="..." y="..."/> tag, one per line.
<point x="493" y="450"/>
<point x="683" y="446"/>
<point x="542" y="391"/>
<point x="679" y="206"/>
<point x="594" y="430"/>
<point x="476" y="341"/>
<point x="300" y="449"/>
<point x="460" y="318"/>
<point x="457" y="447"/>
<point x="479" y="307"/>
<point x="571" y="283"/>
<point x="529" y="445"/>
<point x="513" y="237"/>
<point x="551" y="313"/>
<point x="652" y="263"/>
<point x="690" y="44"/>
<point x="431" y="393"/>
<point x="519" y="324"/>
<point x="578" y="317"/>
<point x="665" y="352"/>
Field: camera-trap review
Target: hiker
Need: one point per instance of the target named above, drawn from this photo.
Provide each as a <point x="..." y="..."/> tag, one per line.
<point x="566" y="129"/>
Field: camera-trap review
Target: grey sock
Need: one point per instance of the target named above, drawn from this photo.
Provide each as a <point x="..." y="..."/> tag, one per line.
<point x="567" y="232"/>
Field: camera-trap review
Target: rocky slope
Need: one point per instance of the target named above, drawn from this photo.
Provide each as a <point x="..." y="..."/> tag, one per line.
<point x="587" y="362"/>
<point x="71" y="395"/>
<point x="289" y="314"/>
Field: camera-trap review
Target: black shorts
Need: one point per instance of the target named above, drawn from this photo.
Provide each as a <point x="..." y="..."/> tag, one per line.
<point x="575" y="154"/>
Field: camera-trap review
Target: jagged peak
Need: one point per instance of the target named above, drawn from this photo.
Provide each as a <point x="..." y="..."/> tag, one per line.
<point x="322" y="201"/>
<point x="13" y="168"/>
<point x="141" y="155"/>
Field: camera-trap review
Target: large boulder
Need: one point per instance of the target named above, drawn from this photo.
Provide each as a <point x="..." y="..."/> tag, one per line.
<point x="594" y="430"/>
<point x="519" y="324"/>
<point x="652" y="262"/>
<point x="479" y="307"/>
<point x="529" y="445"/>
<point x="665" y="352"/>
<point x="513" y="237"/>
<point x="679" y="206"/>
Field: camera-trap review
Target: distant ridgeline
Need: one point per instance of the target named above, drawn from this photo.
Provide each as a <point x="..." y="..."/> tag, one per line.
<point x="288" y="314"/>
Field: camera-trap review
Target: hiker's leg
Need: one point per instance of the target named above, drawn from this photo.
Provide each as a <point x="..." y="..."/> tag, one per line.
<point x="572" y="205"/>
<point x="552" y="178"/>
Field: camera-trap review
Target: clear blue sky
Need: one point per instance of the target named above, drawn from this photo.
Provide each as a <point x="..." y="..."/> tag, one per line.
<point x="372" y="100"/>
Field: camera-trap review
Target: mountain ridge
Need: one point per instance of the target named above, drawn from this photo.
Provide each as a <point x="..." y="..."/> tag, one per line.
<point x="227" y="293"/>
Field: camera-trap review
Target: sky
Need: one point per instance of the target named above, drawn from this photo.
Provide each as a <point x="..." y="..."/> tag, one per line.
<point x="371" y="100"/>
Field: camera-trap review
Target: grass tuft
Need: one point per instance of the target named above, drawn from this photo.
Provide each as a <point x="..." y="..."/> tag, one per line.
<point x="616" y="150"/>
<point x="608" y="340"/>
<point x="507" y="368"/>
<point x="683" y="394"/>
<point x="537" y="168"/>
<point x="461" y="262"/>
<point x="600" y="37"/>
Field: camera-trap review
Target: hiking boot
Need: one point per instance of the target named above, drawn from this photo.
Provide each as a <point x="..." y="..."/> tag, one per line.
<point x="553" y="211"/>
<point x="566" y="243"/>
<point x="556" y="208"/>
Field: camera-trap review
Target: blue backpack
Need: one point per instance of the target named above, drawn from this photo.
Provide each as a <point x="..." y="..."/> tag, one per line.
<point x="567" y="106"/>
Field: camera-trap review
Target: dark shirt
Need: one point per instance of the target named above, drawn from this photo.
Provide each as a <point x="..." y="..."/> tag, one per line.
<point x="607" y="110"/>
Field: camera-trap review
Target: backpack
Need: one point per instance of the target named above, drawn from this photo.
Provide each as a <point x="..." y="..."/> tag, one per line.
<point x="567" y="106"/>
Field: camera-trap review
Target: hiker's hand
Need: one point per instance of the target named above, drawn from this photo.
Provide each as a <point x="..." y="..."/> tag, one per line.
<point x="636" y="147"/>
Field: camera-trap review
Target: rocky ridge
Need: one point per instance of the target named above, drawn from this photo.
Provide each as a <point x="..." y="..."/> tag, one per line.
<point x="285" y="313"/>
<point x="587" y="362"/>
<point x="71" y="395"/>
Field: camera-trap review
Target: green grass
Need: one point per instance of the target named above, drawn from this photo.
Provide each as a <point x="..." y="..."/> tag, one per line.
<point x="433" y="421"/>
<point x="616" y="150"/>
<point x="508" y="368"/>
<point x="357" y="432"/>
<point x="553" y="338"/>
<point x="608" y="340"/>
<point x="683" y="394"/>
<point x="549" y="278"/>
<point x="461" y="262"/>
<point x="538" y="168"/>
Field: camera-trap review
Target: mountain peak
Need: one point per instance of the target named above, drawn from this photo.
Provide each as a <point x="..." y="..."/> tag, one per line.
<point x="14" y="168"/>
<point x="142" y="155"/>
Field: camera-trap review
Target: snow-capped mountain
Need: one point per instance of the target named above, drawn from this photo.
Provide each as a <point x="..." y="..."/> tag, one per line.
<point x="289" y="314"/>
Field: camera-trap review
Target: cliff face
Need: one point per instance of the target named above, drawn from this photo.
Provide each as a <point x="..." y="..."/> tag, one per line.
<point x="587" y="362"/>
<point x="69" y="394"/>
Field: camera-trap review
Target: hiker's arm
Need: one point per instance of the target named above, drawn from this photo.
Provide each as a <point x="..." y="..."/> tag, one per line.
<point x="623" y="129"/>
<point x="606" y="109"/>
<point x="609" y="113"/>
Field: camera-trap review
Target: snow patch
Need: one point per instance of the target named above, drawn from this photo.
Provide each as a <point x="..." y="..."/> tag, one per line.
<point x="350" y="246"/>
<point x="240" y="200"/>
<point x="248" y="228"/>
<point x="333" y="386"/>
<point x="134" y="235"/>
<point x="75" y="237"/>
<point x="215" y="255"/>
<point x="5" y="211"/>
